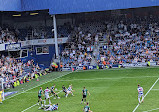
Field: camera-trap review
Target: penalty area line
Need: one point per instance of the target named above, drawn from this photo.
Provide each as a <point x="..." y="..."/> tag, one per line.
<point x="37" y="103"/>
<point x="146" y="94"/>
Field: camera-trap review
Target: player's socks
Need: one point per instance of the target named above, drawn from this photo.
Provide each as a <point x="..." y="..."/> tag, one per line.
<point x="142" y="99"/>
<point x="66" y="95"/>
<point x="139" y="100"/>
<point x="38" y="102"/>
<point x="49" y="101"/>
<point x="72" y="94"/>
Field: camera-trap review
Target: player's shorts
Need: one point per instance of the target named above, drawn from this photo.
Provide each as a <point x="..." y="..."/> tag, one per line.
<point x="68" y="92"/>
<point x="140" y="95"/>
<point x="64" y="91"/>
<point x="84" y="96"/>
<point x="39" y="96"/>
<point x="47" y="96"/>
<point x="52" y="92"/>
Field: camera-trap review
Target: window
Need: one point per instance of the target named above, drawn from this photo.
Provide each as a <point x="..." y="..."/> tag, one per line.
<point x="45" y="49"/>
<point x="15" y="54"/>
<point x="42" y="50"/>
<point x="39" y="50"/>
<point x="24" y="53"/>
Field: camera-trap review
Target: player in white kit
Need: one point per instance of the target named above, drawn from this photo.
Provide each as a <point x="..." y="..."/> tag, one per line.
<point x="140" y="94"/>
<point x="69" y="90"/>
<point x="47" y="92"/>
<point x="51" y="107"/>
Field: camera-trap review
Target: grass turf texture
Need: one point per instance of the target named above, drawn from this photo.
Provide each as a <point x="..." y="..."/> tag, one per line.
<point x="113" y="90"/>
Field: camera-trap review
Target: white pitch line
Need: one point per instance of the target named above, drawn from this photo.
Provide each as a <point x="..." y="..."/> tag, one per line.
<point x="37" y="86"/>
<point x="155" y="89"/>
<point x="106" y="78"/>
<point x="151" y="110"/>
<point x="35" y="92"/>
<point x="37" y="104"/>
<point x="146" y="94"/>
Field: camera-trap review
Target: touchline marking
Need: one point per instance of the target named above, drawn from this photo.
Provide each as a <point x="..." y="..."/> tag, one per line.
<point x="146" y="94"/>
<point x="151" y="110"/>
<point x="37" y="86"/>
<point x="37" y="103"/>
<point x="35" y="92"/>
<point x="106" y="78"/>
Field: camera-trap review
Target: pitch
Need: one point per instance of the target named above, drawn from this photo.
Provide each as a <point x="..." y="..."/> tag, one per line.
<point x="112" y="90"/>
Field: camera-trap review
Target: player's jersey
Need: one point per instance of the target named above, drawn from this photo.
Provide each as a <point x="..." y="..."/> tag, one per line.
<point x="54" y="107"/>
<point x="52" y="88"/>
<point x="140" y="90"/>
<point x="69" y="89"/>
<point x="40" y="92"/>
<point x="64" y="88"/>
<point x="86" y="108"/>
<point x="84" y="91"/>
<point x="47" y="91"/>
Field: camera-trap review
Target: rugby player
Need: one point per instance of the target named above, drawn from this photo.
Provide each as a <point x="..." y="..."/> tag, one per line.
<point x="140" y="94"/>
<point x="87" y="108"/>
<point x="50" y="107"/>
<point x="47" y="92"/>
<point x="64" y="90"/>
<point x="53" y="92"/>
<point x="69" y="90"/>
<point x="84" y="94"/>
<point x="40" y="93"/>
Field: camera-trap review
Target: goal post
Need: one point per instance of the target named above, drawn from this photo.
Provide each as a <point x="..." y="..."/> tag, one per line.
<point x="2" y="89"/>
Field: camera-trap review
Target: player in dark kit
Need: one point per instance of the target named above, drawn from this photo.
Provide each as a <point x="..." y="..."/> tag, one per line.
<point x="87" y="108"/>
<point x="64" y="89"/>
<point x="53" y="92"/>
<point x="40" y="93"/>
<point x="84" y="93"/>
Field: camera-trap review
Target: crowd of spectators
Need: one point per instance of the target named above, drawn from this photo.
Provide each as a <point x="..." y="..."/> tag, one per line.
<point x="7" y="36"/>
<point x="80" y="48"/>
<point x="15" y="71"/>
<point x="128" y="41"/>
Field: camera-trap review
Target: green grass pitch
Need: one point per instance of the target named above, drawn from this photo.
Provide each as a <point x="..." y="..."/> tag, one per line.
<point x="113" y="90"/>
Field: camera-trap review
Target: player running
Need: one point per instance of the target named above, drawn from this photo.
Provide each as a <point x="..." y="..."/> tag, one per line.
<point x="87" y="108"/>
<point x="140" y="94"/>
<point x="84" y="93"/>
<point x="40" y="93"/>
<point x="64" y="90"/>
<point x="53" y="92"/>
<point x="69" y="90"/>
<point x="47" y="92"/>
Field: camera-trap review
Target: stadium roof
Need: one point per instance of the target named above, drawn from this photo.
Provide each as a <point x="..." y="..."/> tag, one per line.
<point x="73" y="6"/>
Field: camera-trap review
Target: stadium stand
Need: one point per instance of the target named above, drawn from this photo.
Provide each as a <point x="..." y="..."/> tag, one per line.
<point x="15" y="71"/>
<point x="125" y="41"/>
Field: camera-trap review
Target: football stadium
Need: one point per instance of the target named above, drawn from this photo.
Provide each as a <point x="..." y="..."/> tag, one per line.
<point x="79" y="55"/>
